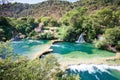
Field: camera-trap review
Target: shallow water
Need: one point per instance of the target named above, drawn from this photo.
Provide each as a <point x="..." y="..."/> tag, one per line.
<point x="28" y="47"/>
<point x="74" y="50"/>
<point x="66" y="51"/>
<point x="71" y="51"/>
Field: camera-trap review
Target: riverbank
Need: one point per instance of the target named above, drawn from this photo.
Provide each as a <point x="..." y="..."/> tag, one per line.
<point x="111" y="61"/>
<point x="114" y="60"/>
<point x="46" y="48"/>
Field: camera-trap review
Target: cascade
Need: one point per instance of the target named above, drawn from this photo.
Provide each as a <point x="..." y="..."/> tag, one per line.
<point x="80" y="39"/>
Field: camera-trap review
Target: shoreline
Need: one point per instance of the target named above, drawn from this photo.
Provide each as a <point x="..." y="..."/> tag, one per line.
<point x="46" y="49"/>
<point x="97" y="61"/>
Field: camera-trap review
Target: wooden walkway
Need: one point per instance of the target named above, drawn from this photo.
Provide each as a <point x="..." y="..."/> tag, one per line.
<point x="46" y="49"/>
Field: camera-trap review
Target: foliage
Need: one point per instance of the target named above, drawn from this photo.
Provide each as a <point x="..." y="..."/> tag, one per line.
<point x="67" y="17"/>
<point x="54" y="23"/>
<point x="49" y="21"/>
<point x="91" y="17"/>
<point x="111" y="38"/>
<point x="52" y="8"/>
<point x="45" y="20"/>
<point x="62" y="32"/>
<point x="21" y="68"/>
<point x="5" y="29"/>
<point x="118" y="46"/>
<point x="103" y="21"/>
<point x="74" y="19"/>
<point x="6" y="49"/>
<point x="47" y="35"/>
<point x="38" y="69"/>
<point x="24" y="25"/>
<point x="112" y="35"/>
<point x="100" y="44"/>
<point x="32" y="33"/>
<point x="55" y="9"/>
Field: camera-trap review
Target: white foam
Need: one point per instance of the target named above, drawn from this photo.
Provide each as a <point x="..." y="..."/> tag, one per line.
<point x="97" y="77"/>
<point x="92" y="68"/>
<point x="55" y="45"/>
<point x="35" y="41"/>
<point x="15" y="42"/>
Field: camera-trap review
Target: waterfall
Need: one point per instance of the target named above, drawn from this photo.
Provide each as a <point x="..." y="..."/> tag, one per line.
<point x="15" y="38"/>
<point x="80" y="39"/>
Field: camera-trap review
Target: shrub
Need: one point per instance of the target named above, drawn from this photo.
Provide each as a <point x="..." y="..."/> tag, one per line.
<point x="38" y="69"/>
<point x="118" y="46"/>
<point x="100" y="44"/>
<point x="6" y="49"/>
<point x="48" y="36"/>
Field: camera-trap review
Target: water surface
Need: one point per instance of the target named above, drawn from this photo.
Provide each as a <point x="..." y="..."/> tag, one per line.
<point x="95" y="72"/>
<point x="84" y="50"/>
<point x="28" y="47"/>
<point x="71" y="51"/>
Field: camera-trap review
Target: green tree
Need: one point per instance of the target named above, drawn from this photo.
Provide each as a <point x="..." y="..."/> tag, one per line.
<point x="45" y="20"/>
<point x="6" y="49"/>
<point x="38" y="69"/>
<point x="105" y="17"/>
<point x="6" y="29"/>
<point x="21" y="68"/>
<point x="112" y="35"/>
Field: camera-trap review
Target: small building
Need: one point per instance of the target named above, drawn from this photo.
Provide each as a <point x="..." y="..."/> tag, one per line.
<point x="101" y="37"/>
<point x="39" y="28"/>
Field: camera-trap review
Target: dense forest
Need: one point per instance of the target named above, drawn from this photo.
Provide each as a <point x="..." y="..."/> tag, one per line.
<point x="51" y="8"/>
<point x="91" y="17"/>
<point x="98" y="20"/>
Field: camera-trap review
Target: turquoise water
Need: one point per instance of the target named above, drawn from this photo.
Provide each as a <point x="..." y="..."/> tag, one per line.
<point x="28" y="47"/>
<point x="71" y="51"/>
<point x="74" y="50"/>
<point x="95" y="72"/>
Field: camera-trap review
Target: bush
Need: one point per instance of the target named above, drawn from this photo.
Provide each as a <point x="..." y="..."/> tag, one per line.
<point x="32" y="33"/>
<point x="48" y="36"/>
<point x="38" y="69"/>
<point x="5" y="29"/>
<point x="112" y="35"/>
<point x="6" y="49"/>
<point x="118" y="46"/>
<point x="45" y="20"/>
<point x="100" y="44"/>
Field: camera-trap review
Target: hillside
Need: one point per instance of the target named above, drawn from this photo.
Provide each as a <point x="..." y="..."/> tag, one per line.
<point x="54" y="9"/>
